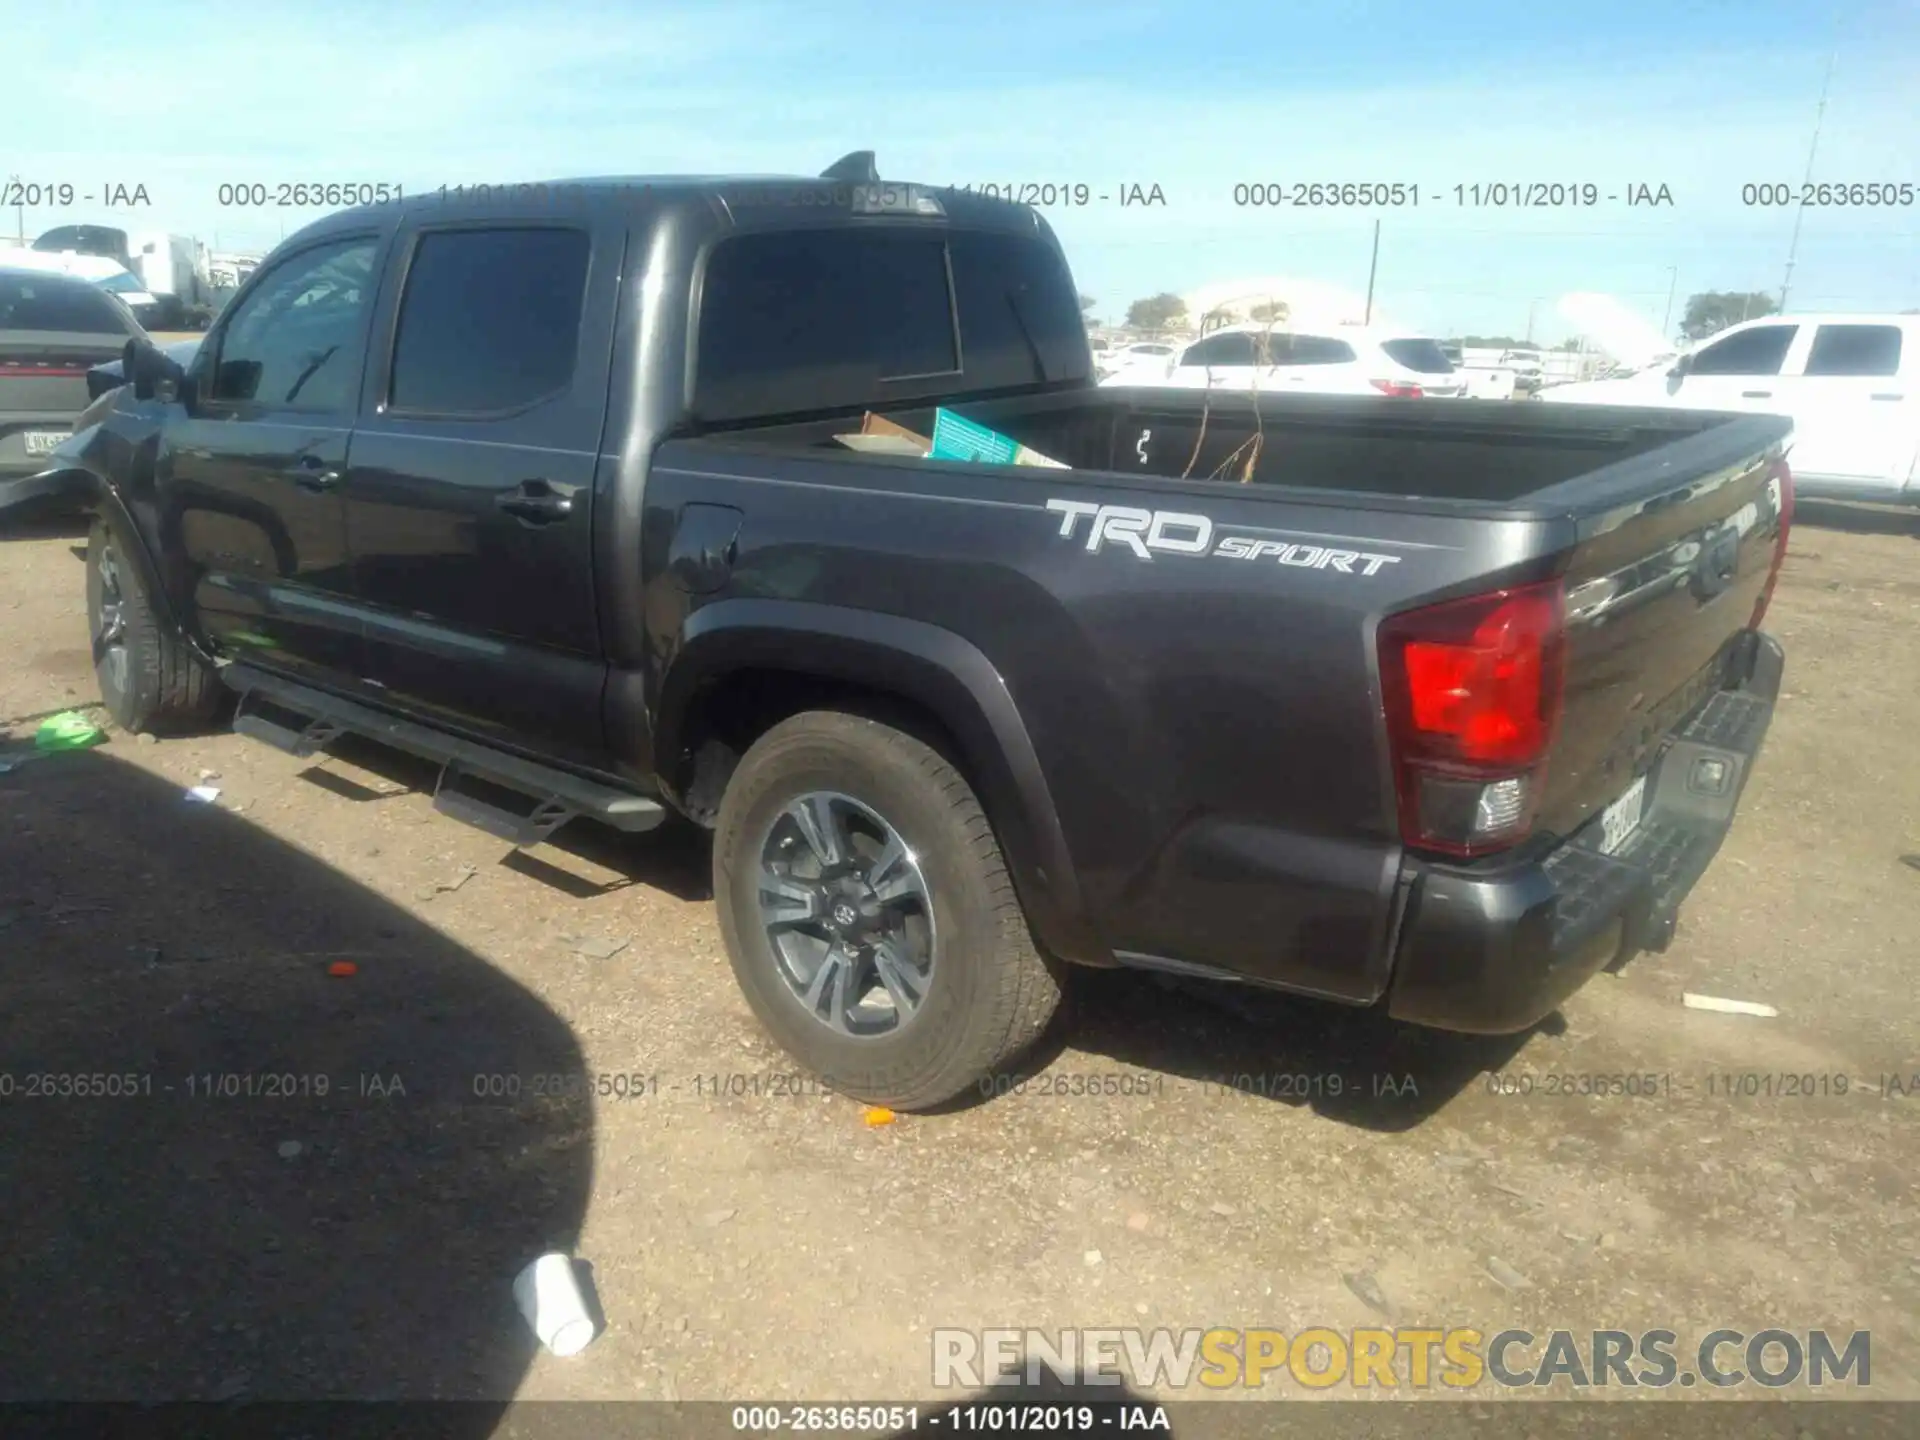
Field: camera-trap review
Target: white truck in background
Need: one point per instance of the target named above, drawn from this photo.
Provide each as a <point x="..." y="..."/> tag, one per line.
<point x="228" y="270"/>
<point x="174" y="268"/>
<point x="1849" y="383"/>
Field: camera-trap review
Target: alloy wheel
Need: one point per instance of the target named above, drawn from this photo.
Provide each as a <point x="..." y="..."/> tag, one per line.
<point x="847" y="913"/>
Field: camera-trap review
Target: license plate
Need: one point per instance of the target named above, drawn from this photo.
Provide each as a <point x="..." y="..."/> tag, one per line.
<point x="44" y="442"/>
<point x="1620" y="819"/>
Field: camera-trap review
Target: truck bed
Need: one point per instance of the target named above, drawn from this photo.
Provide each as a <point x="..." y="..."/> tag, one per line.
<point x="1485" y="452"/>
<point x="1212" y="723"/>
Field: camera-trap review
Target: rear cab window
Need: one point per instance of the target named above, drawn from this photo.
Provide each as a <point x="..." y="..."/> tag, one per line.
<point x="844" y="317"/>
<point x="58" y="305"/>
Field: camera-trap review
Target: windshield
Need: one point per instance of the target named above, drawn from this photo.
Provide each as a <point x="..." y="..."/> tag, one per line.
<point x="1424" y="357"/>
<point x="122" y="283"/>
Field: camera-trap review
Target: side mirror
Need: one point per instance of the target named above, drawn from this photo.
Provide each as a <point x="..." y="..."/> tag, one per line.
<point x="1680" y="368"/>
<point x="153" y="373"/>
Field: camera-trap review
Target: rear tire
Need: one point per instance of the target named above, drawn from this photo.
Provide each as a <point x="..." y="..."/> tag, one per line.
<point x="985" y="994"/>
<point x="150" y="680"/>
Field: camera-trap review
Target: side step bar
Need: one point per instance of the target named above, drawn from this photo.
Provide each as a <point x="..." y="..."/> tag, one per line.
<point x="513" y="799"/>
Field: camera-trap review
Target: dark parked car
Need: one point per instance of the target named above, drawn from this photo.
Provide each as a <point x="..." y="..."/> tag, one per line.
<point x="1439" y="708"/>
<point x="53" y="329"/>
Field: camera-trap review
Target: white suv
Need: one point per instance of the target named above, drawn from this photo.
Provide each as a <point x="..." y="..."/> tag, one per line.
<point x="1142" y="354"/>
<point x="1338" y="361"/>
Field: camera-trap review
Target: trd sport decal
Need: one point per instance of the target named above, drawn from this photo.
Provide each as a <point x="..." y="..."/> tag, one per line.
<point x="1172" y="532"/>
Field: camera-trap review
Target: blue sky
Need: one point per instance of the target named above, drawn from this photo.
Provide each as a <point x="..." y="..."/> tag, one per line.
<point x="1191" y="96"/>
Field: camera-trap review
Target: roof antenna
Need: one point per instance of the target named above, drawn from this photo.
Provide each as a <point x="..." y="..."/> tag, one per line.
<point x="857" y="167"/>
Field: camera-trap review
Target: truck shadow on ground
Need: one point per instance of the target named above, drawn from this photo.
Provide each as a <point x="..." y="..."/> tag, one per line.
<point x="230" y="1175"/>
<point x="32" y="523"/>
<point x="1351" y="1065"/>
<point x="1857" y="519"/>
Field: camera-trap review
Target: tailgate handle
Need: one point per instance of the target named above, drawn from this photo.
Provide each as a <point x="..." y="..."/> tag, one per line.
<point x="1718" y="562"/>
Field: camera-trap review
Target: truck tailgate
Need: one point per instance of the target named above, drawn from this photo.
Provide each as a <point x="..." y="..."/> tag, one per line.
<point x="1659" y="589"/>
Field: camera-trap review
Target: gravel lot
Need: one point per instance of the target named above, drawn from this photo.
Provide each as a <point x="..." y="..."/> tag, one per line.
<point x="172" y="1244"/>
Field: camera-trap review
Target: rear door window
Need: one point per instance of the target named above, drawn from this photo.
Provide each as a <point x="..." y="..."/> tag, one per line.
<point x="1424" y="357"/>
<point x="1318" y="350"/>
<point x="1235" y="348"/>
<point x="1855" y="350"/>
<point x="489" y="321"/>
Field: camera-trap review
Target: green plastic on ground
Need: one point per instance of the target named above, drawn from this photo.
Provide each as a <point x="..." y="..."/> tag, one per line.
<point x="69" y="730"/>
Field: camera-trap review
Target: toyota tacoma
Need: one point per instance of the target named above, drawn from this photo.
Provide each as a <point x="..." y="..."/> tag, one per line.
<point x="1434" y="707"/>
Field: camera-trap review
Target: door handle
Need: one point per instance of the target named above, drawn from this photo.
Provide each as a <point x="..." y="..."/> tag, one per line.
<point x="311" y="474"/>
<point x="1756" y="394"/>
<point x="537" y="502"/>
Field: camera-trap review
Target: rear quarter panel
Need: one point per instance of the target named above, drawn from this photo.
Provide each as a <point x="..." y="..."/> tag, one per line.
<point x="1208" y="728"/>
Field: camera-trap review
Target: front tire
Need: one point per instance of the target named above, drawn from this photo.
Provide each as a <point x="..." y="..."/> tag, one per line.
<point x="150" y="680"/>
<point x="868" y="913"/>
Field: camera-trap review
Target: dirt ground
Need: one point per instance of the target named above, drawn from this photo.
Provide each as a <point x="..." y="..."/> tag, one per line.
<point x="767" y="1243"/>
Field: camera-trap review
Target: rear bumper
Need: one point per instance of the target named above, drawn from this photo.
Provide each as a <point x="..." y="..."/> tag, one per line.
<point x="1492" y="953"/>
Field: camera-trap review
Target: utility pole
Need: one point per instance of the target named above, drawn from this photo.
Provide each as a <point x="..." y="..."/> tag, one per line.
<point x="1532" y="305"/>
<point x="1373" y="269"/>
<point x="1813" y="147"/>
<point x="1666" y="320"/>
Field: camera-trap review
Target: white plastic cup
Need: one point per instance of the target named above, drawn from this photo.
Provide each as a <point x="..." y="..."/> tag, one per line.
<point x="548" y="1294"/>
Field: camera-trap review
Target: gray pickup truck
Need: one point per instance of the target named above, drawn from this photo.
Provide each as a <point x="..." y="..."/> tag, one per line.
<point x="1439" y="707"/>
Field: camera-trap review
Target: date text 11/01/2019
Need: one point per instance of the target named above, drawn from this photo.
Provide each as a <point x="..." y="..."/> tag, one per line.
<point x="1478" y="195"/>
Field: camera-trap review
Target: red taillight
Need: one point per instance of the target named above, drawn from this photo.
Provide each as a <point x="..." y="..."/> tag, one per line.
<point x="1784" y="478"/>
<point x="1473" y="691"/>
<point x="1397" y="387"/>
<point x="9" y="369"/>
